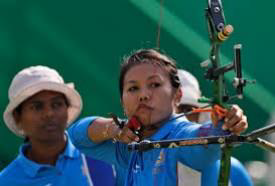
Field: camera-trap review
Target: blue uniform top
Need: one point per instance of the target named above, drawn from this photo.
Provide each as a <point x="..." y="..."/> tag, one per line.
<point x="238" y="174"/>
<point x="70" y="170"/>
<point x="101" y="173"/>
<point x="209" y="176"/>
<point x="153" y="167"/>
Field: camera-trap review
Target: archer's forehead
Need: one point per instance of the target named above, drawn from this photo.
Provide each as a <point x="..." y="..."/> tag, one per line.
<point x="145" y="71"/>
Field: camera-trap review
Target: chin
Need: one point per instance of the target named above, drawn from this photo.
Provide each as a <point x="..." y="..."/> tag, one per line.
<point x="145" y="118"/>
<point x="151" y="121"/>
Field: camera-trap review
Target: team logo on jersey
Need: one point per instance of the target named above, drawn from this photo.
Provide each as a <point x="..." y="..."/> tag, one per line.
<point x="161" y="157"/>
<point x="158" y="168"/>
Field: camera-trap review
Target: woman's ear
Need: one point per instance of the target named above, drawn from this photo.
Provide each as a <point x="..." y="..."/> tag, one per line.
<point x="178" y="96"/>
<point x="16" y="116"/>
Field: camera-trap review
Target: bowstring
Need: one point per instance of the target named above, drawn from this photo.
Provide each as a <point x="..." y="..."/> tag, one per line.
<point x="159" y="24"/>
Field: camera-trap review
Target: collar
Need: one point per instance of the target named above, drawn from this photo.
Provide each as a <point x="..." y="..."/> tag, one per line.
<point x="70" y="150"/>
<point x="169" y="125"/>
<point x="32" y="168"/>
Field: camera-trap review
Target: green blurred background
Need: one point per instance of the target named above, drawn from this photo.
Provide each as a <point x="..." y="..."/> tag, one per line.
<point x="86" y="40"/>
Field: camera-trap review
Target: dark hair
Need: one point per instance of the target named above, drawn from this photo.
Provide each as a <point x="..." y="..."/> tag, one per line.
<point x="149" y="56"/>
<point x="18" y="109"/>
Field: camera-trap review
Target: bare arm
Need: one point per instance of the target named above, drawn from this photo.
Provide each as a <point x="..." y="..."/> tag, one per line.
<point x="104" y="129"/>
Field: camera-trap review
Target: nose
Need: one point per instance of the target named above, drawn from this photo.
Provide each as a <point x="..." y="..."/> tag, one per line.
<point x="145" y="95"/>
<point x="48" y="112"/>
<point x="143" y="98"/>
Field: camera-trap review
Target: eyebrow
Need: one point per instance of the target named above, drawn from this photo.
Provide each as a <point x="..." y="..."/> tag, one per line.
<point x="154" y="76"/>
<point x="33" y="102"/>
<point x="59" y="97"/>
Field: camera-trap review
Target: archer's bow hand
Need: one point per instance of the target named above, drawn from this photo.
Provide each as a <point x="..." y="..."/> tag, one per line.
<point x="234" y="118"/>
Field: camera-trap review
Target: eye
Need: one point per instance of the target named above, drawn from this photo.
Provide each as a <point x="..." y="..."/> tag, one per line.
<point x="132" y="89"/>
<point x="36" y="106"/>
<point x="155" y="85"/>
<point x="58" y="104"/>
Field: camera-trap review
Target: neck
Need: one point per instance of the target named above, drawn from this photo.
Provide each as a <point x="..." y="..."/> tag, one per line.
<point x="152" y="128"/>
<point x="45" y="153"/>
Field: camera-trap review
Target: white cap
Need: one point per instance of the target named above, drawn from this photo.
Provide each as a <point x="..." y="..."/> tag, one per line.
<point x="190" y="89"/>
<point x="32" y="80"/>
<point x="191" y="93"/>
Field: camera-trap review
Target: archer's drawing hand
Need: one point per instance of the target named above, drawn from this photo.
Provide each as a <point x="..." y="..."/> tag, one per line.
<point x="125" y="135"/>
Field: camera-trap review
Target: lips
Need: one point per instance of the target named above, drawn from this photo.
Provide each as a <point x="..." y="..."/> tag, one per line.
<point x="50" y="127"/>
<point x="144" y="107"/>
